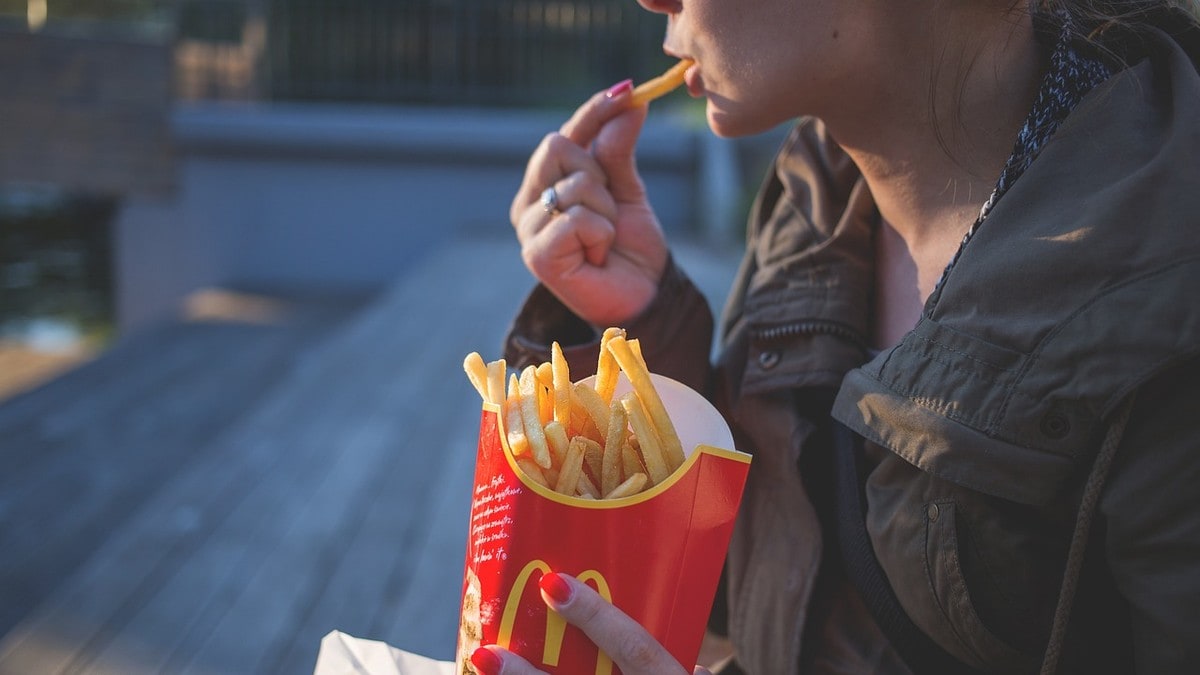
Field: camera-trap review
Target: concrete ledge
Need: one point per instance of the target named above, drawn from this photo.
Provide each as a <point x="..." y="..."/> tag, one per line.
<point x="288" y="197"/>
<point x="442" y="135"/>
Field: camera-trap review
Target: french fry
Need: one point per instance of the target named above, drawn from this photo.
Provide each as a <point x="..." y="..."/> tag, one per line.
<point x="572" y="468"/>
<point x="496" y="370"/>
<point x="631" y="486"/>
<point x="593" y="459"/>
<point x="545" y="399"/>
<point x="652" y="453"/>
<point x="545" y="374"/>
<point x="596" y="408"/>
<point x="478" y="375"/>
<point x="587" y="488"/>
<point x="635" y="346"/>
<point x="581" y="421"/>
<point x="607" y="368"/>
<point x="661" y="85"/>
<point x="562" y="384"/>
<point x="630" y="459"/>
<point x="514" y="426"/>
<point x="558" y="440"/>
<point x="530" y="415"/>
<point x="614" y="441"/>
<point x="639" y="377"/>
<point x="532" y="470"/>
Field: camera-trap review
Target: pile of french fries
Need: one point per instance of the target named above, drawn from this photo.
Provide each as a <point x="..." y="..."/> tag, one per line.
<point x="579" y="439"/>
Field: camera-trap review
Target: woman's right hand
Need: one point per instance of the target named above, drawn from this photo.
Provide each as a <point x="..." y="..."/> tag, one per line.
<point x="602" y="251"/>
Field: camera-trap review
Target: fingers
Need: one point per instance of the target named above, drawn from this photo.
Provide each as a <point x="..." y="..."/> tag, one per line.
<point x="625" y="641"/>
<point x="568" y="241"/>
<point x="585" y="124"/>
<point x="599" y="139"/>
<point x="492" y="660"/>
<point x="555" y="158"/>
<point x="578" y="190"/>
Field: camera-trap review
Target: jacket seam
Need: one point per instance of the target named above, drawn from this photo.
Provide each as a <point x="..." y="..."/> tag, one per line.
<point x="962" y="352"/>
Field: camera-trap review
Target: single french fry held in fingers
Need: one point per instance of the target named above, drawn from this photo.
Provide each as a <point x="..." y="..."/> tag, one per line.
<point x="661" y="85"/>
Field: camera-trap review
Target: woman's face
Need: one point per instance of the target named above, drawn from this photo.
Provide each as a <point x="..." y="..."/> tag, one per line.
<point x="762" y="62"/>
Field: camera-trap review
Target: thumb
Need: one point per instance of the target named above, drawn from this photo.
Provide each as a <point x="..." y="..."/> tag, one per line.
<point x="615" y="151"/>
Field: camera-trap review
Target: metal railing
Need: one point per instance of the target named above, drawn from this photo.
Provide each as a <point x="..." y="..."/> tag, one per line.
<point x="445" y="52"/>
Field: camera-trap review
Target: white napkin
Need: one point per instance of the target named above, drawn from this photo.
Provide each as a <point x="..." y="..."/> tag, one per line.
<point x="342" y="654"/>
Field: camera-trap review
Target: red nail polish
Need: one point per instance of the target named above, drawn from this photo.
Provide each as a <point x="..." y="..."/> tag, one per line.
<point x="619" y="88"/>
<point x="486" y="662"/>
<point x="556" y="587"/>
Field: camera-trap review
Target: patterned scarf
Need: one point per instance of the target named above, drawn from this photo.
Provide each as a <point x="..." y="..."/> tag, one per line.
<point x="1073" y="71"/>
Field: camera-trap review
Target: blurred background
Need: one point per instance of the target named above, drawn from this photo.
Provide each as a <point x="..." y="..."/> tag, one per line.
<point x="244" y="246"/>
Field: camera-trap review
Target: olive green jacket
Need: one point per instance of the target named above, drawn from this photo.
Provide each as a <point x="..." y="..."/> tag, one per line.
<point x="1080" y="293"/>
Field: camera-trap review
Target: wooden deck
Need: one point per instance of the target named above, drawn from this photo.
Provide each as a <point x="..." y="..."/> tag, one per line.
<point x="215" y="495"/>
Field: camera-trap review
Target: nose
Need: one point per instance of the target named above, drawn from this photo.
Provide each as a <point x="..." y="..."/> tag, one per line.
<point x="662" y="6"/>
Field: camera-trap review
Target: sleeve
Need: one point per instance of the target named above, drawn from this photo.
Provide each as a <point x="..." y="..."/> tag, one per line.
<point x="676" y="332"/>
<point x="1152" y="508"/>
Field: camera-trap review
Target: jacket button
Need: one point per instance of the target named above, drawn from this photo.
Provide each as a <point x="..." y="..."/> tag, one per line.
<point x="932" y="512"/>
<point x="1056" y="425"/>
<point x="768" y="360"/>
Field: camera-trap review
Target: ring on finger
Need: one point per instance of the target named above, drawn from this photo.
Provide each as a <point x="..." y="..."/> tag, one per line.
<point x="549" y="200"/>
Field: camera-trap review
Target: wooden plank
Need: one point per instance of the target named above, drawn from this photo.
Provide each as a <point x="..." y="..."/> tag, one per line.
<point x="56" y="512"/>
<point x="86" y="114"/>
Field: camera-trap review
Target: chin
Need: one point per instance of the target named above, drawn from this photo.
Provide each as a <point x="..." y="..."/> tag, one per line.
<point x="728" y="124"/>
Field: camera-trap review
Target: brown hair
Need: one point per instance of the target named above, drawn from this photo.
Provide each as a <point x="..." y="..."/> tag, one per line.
<point x="1093" y="18"/>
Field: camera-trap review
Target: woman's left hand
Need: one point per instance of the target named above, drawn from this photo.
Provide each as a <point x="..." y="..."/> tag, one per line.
<point x="626" y="642"/>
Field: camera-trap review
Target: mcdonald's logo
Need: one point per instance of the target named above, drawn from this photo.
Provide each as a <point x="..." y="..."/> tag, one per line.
<point x="555" y="624"/>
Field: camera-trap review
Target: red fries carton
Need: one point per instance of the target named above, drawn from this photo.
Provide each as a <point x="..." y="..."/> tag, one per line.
<point x="656" y="555"/>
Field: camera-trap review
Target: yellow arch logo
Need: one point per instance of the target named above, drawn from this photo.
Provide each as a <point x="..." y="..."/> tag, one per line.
<point x="555" y="624"/>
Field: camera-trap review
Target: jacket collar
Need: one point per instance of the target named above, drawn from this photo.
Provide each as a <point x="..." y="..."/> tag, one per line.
<point x="1080" y="287"/>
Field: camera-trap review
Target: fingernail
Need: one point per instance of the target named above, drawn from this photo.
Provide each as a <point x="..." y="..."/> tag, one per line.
<point x="619" y="88"/>
<point x="556" y="587"/>
<point x="486" y="662"/>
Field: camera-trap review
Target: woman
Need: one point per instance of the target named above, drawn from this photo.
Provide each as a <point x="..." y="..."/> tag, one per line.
<point x="963" y="346"/>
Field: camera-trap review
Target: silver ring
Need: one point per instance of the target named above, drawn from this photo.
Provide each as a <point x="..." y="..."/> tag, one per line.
<point x="550" y="200"/>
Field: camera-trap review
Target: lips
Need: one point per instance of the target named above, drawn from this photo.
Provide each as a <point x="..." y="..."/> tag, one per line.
<point x="695" y="84"/>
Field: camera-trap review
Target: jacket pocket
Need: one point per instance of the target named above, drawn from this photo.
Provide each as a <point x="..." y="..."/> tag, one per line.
<point x="975" y="643"/>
